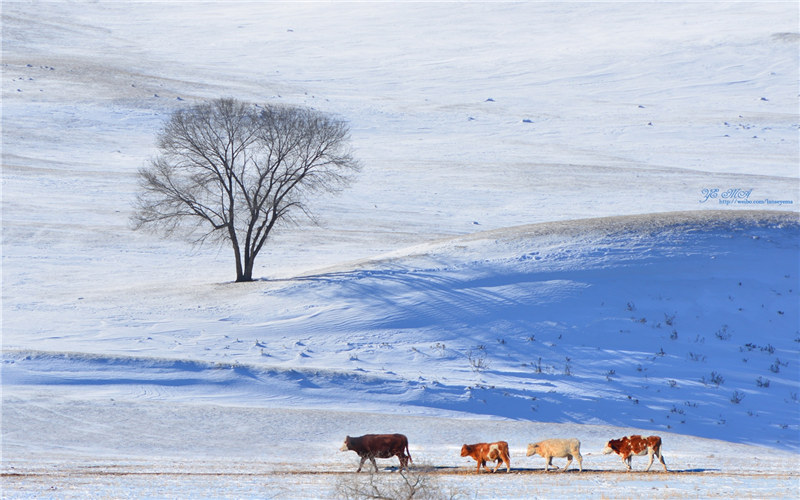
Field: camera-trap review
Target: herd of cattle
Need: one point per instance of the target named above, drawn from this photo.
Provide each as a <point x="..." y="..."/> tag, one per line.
<point x="372" y="446"/>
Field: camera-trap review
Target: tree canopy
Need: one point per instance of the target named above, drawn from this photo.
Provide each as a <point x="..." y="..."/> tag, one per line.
<point x="233" y="171"/>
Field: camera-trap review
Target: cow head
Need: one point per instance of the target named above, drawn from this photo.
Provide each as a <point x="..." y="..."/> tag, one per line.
<point x="465" y="450"/>
<point x="612" y="446"/>
<point x="533" y="449"/>
<point x="346" y="445"/>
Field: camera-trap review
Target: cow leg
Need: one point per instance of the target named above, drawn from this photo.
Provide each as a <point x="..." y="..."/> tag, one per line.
<point x="363" y="459"/>
<point x="501" y="461"/>
<point x="651" y="454"/>
<point x="580" y="463"/>
<point x="403" y="461"/>
<point x="569" y="461"/>
<point x="627" y="462"/>
<point x="661" y="459"/>
<point x="372" y="459"/>
<point x="508" y="464"/>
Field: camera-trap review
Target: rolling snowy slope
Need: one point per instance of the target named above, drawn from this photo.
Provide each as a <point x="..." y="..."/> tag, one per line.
<point x="437" y="113"/>
<point x="540" y="241"/>
<point x="684" y="322"/>
<point x="679" y="324"/>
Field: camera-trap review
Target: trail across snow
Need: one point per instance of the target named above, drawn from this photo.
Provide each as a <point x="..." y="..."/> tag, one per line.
<point x="104" y="448"/>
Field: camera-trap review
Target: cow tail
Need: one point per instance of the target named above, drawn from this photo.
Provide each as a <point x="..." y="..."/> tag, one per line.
<point x="408" y="452"/>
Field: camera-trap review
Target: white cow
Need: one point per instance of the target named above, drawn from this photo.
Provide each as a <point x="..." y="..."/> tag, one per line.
<point x="558" y="448"/>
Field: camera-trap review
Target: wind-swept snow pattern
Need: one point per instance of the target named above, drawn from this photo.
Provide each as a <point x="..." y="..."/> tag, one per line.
<point x="573" y="220"/>
<point x="678" y="322"/>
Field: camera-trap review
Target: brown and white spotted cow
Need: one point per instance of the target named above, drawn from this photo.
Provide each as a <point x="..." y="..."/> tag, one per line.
<point x="483" y="452"/>
<point x="372" y="446"/>
<point x="629" y="446"/>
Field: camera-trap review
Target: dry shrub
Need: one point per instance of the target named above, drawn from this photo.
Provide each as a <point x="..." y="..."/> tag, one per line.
<point x="417" y="484"/>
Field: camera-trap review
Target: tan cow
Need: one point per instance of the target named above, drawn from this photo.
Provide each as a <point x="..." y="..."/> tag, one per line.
<point x="627" y="447"/>
<point x="558" y="448"/>
<point x="483" y="452"/>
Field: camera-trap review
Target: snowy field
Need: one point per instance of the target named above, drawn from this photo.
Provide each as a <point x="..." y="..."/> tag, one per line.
<point x="528" y="252"/>
<point x="102" y="451"/>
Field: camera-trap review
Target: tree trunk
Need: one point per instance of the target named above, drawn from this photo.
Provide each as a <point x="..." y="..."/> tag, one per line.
<point x="247" y="273"/>
<point x="248" y="269"/>
<point x="242" y="273"/>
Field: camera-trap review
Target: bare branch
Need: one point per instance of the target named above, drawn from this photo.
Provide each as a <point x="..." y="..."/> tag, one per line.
<point x="230" y="170"/>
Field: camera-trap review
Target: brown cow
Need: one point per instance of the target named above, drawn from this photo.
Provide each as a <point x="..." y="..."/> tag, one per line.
<point x="627" y="447"/>
<point x="482" y="452"/>
<point x="372" y="446"/>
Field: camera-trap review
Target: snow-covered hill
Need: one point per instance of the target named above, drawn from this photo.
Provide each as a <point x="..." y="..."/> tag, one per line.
<point x="681" y="322"/>
<point x="543" y="231"/>
<point x="678" y="324"/>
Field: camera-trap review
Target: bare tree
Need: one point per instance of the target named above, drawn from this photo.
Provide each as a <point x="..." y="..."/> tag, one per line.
<point x="233" y="171"/>
<point x="419" y="483"/>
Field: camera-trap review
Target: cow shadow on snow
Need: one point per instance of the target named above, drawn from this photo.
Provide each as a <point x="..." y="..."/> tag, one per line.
<point x="462" y="470"/>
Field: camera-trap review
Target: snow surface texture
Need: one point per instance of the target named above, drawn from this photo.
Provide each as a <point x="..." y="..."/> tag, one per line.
<point x="501" y="270"/>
